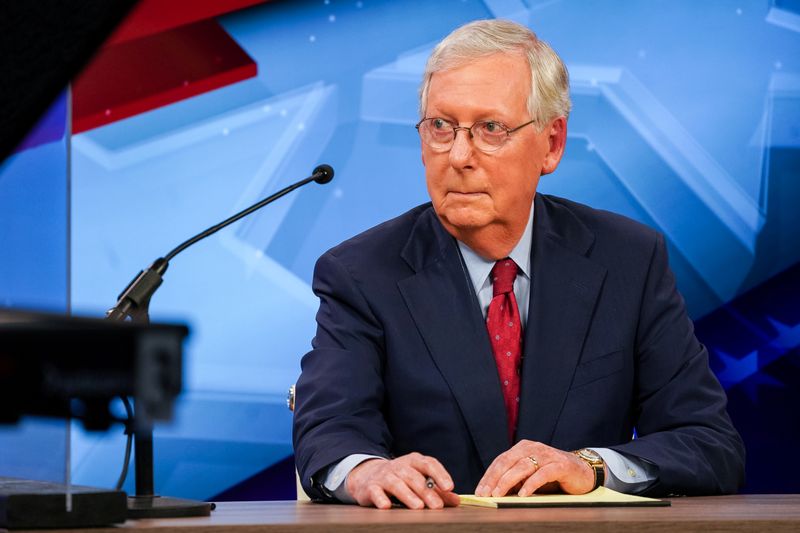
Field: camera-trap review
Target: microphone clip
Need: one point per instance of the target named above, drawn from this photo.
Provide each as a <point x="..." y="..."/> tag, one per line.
<point x="134" y="301"/>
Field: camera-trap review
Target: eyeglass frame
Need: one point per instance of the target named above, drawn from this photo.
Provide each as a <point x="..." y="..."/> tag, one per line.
<point x="456" y="127"/>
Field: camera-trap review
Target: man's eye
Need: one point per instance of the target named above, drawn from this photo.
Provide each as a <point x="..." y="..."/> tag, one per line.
<point x="439" y="124"/>
<point x="492" y="127"/>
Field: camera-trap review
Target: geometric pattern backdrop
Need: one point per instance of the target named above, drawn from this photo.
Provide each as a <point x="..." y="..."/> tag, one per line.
<point x="685" y="117"/>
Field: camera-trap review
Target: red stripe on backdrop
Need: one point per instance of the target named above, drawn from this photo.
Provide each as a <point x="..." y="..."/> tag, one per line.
<point x="154" y="16"/>
<point x="137" y="76"/>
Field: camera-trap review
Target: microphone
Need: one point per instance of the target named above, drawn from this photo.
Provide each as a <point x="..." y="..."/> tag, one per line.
<point x="323" y="174"/>
<point x="134" y="300"/>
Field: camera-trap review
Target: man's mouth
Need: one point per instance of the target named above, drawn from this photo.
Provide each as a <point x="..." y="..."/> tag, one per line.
<point x="467" y="193"/>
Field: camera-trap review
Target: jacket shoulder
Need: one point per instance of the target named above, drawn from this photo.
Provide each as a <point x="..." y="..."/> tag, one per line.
<point x="610" y="230"/>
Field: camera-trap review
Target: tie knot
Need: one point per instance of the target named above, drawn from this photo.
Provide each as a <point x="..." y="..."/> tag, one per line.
<point x="504" y="272"/>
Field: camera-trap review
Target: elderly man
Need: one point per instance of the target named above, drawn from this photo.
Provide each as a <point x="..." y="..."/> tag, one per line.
<point x="500" y="341"/>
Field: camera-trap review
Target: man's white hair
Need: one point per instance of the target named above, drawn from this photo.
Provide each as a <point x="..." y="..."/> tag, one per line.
<point x="549" y="97"/>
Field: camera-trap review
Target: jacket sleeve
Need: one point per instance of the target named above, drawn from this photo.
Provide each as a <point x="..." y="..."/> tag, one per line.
<point x="682" y="424"/>
<point x="340" y="392"/>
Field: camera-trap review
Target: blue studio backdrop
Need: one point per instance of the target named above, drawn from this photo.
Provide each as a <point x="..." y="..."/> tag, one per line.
<point x="686" y="117"/>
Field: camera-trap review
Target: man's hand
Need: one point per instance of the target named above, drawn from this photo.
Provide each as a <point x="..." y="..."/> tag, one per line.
<point x="375" y="480"/>
<point x="531" y="466"/>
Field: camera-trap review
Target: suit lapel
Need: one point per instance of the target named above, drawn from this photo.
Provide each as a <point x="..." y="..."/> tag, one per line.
<point x="441" y="301"/>
<point x="564" y="290"/>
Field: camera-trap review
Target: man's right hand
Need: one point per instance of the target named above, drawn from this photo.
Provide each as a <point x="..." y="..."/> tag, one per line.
<point x="374" y="481"/>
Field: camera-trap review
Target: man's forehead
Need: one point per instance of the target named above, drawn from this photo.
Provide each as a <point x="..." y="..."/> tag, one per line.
<point x="490" y="79"/>
<point x="451" y="60"/>
<point x="502" y="67"/>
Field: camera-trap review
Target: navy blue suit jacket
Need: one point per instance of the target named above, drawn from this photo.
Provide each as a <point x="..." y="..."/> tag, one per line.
<point x="401" y="360"/>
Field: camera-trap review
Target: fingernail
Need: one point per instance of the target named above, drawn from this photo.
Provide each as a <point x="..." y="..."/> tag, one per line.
<point x="522" y="493"/>
<point x="482" y="490"/>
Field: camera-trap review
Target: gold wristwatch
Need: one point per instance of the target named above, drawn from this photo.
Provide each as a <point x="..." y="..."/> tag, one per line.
<point x="593" y="459"/>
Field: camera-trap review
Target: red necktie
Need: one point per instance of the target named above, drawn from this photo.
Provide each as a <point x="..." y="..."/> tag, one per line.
<point x="505" y="334"/>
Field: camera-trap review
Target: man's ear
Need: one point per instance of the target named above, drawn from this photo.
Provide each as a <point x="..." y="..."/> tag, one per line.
<point x="557" y="138"/>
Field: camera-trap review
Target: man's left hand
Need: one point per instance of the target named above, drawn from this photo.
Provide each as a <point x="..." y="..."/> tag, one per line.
<point x="532" y="465"/>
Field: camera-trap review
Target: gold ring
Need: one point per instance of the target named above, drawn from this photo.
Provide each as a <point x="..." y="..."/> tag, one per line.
<point x="535" y="463"/>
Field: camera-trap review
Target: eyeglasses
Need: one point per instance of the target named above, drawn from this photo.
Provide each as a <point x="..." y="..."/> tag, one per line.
<point x="488" y="135"/>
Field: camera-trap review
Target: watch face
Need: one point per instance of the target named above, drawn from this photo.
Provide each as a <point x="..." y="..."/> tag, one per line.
<point x="590" y="455"/>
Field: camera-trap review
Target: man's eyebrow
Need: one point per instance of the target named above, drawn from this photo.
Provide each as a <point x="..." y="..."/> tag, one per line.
<point x="494" y="115"/>
<point x="445" y="116"/>
<point x="481" y="118"/>
<point x="492" y="118"/>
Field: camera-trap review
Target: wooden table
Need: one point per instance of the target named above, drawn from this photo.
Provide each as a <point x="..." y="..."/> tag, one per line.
<point x="762" y="513"/>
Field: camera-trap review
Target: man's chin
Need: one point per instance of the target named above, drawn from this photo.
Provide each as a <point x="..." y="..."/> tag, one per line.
<point x="464" y="219"/>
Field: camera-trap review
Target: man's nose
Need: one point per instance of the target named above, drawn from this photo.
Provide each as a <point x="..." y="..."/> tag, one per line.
<point x="462" y="150"/>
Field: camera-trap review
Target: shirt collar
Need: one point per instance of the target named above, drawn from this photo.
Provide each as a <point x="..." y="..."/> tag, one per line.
<point x="480" y="268"/>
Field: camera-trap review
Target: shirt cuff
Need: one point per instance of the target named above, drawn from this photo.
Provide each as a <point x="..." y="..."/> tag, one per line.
<point x="334" y="479"/>
<point x="630" y="475"/>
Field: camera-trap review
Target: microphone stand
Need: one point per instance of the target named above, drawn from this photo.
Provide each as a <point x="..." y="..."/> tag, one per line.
<point x="133" y="303"/>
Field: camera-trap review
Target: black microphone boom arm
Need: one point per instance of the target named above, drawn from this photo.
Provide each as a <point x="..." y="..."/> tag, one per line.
<point x="134" y="301"/>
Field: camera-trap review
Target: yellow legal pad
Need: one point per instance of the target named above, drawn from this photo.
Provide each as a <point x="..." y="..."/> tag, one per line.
<point x="600" y="497"/>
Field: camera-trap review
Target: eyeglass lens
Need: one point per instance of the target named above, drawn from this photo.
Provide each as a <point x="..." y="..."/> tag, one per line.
<point x="440" y="134"/>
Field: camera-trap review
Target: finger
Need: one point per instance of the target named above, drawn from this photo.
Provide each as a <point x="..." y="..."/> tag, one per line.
<point x="398" y="488"/>
<point x="417" y="482"/>
<point x="505" y="461"/>
<point x="360" y="479"/>
<point x="429" y="466"/>
<point x="433" y="500"/>
<point x="518" y="473"/>
<point x="450" y="499"/>
<point x="377" y="497"/>
<point x="546" y="474"/>
<point x="499" y="466"/>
